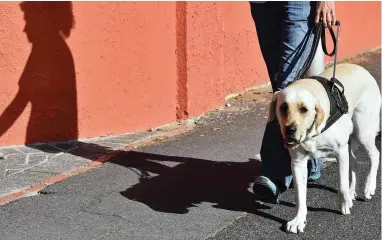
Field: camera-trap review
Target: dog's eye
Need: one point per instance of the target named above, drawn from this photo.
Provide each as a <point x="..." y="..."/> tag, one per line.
<point x="303" y="110"/>
<point x="284" y="107"/>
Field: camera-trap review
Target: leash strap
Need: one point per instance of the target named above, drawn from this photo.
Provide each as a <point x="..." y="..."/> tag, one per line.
<point x="335" y="50"/>
<point x="337" y="89"/>
<point x="321" y="33"/>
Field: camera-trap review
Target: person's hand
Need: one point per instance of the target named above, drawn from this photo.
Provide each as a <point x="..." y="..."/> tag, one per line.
<point x="326" y="12"/>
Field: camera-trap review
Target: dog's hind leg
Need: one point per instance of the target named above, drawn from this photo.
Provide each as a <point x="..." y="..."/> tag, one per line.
<point x="371" y="180"/>
<point x="367" y="120"/>
<point x="353" y="168"/>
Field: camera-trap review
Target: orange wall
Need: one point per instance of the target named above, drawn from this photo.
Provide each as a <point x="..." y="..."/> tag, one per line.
<point x="129" y="66"/>
<point x="223" y="54"/>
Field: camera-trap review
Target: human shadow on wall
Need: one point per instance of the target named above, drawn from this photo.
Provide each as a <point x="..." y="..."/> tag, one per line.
<point x="48" y="81"/>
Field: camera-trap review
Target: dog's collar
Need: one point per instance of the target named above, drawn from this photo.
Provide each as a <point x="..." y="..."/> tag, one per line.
<point x="338" y="103"/>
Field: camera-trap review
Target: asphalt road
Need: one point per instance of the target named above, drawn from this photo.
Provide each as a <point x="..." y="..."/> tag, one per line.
<point x="324" y="221"/>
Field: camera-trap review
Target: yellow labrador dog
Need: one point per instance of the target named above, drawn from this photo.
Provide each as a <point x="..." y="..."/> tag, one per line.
<point x="302" y="110"/>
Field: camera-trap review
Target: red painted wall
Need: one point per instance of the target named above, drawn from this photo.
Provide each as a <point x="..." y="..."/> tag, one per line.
<point x="115" y="73"/>
<point x="223" y="54"/>
<point x="129" y="66"/>
<point x="226" y="57"/>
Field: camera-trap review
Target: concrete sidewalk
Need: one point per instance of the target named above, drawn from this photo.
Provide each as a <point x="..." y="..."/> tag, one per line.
<point x="25" y="170"/>
<point x="188" y="181"/>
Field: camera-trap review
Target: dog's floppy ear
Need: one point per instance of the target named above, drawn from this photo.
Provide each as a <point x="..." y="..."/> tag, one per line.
<point x="320" y="115"/>
<point x="272" y="107"/>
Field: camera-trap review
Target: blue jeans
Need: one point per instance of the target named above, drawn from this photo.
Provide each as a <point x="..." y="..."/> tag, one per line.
<point x="285" y="34"/>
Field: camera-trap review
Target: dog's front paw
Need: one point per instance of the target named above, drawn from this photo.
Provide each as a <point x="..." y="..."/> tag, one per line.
<point x="370" y="188"/>
<point x="345" y="203"/>
<point x="296" y="225"/>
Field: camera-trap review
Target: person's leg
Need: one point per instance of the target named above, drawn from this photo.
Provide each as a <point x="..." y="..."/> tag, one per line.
<point x="297" y="39"/>
<point x="268" y="20"/>
<point x="296" y="42"/>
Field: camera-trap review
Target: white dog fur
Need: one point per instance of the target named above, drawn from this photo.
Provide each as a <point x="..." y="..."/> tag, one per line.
<point x="305" y="104"/>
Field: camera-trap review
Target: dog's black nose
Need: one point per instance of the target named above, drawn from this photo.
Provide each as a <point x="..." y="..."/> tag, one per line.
<point x="290" y="130"/>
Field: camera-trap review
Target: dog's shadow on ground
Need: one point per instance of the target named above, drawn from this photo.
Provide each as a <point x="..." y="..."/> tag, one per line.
<point x="186" y="182"/>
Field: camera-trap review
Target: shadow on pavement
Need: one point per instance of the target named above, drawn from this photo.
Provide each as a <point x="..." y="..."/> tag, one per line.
<point x="192" y="181"/>
<point x="173" y="184"/>
<point x="311" y="209"/>
<point x="319" y="186"/>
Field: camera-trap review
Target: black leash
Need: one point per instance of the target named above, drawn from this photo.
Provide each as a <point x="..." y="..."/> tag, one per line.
<point x="333" y="87"/>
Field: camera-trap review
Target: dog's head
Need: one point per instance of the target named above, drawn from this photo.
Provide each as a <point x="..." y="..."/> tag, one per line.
<point x="298" y="112"/>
